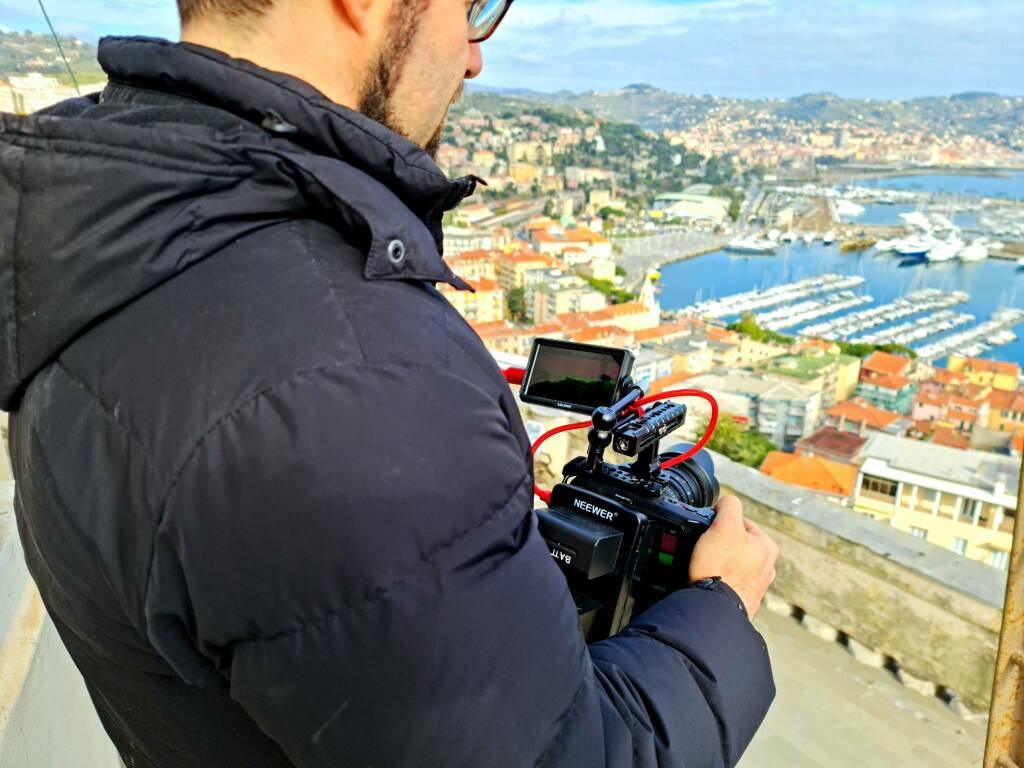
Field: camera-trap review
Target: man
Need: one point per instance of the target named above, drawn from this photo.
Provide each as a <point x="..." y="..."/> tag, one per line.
<point x="274" y="491"/>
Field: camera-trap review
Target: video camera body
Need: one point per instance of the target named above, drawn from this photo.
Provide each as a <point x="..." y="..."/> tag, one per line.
<point x="623" y="535"/>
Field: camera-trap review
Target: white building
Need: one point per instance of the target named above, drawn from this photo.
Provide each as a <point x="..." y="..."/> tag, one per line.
<point x="963" y="500"/>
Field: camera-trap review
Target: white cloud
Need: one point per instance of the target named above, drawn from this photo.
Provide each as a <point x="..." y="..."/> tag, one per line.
<point x="762" y="47"/>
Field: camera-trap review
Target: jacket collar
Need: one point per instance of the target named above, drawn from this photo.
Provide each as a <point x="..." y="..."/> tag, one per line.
<point x="290" y="108"/>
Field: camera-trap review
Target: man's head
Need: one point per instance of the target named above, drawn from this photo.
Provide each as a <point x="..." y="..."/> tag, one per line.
<point x="400" y="62"/>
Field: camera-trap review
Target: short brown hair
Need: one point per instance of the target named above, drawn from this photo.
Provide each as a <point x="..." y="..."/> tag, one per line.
<point x="190" y="10"/>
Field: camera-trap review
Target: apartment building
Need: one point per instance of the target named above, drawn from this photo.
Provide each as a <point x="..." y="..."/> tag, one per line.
<point x="963" y="500"/>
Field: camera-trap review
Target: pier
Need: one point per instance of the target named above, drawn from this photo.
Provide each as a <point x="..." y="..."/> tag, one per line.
<point x="977" y="340"/>
<point x="786" y="293"/>
<point x="795" y="314"/>
<point x="915" y="303"/>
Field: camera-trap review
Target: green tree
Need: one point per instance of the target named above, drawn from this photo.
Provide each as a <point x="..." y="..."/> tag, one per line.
<point x="517" y="304"/>
<point x="745" y="447"/>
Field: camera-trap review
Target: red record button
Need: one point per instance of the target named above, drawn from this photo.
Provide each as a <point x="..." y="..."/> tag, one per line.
<point x="668" y="543"/>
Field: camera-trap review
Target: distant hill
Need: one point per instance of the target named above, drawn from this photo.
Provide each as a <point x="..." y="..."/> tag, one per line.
<point x="982" y="114"/>
<point x="22" y="52"/>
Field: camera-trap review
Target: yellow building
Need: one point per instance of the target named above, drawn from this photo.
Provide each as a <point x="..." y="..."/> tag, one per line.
<point x="486" y="305"/>
<point x="986" y="373"/>
<point x="963" y="500"/>
<point x="1006" y="410"/>
<point x="514" y="269"/>
<point x="525" y="174"/>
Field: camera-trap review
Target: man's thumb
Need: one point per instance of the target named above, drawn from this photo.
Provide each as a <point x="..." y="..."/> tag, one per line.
<point x="728" y="514"/>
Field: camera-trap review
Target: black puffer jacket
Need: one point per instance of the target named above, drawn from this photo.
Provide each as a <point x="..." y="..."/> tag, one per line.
<point x="274" y="491"/>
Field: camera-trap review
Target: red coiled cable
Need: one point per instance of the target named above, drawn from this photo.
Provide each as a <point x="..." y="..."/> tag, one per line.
<point x="545" y="496"/>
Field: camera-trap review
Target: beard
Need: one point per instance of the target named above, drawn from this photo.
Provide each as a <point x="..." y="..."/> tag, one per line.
<point x="376" y="95"/>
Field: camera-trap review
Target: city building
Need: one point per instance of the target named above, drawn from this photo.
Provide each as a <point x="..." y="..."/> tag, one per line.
<point x="835" y="376"/>
<point x="832" y="444"/>
<point x="563" y="295"/>
<point x="963" y="500"/>
<point x="1006" y="410"/>
<point x="889" y="391"/>
<point x="474" y="265"/>
<point x="458" y="239"/>
<point x="651" y="364"/>
<point x="486" y="303"/>
<point x="989" y="373"/>
<point x="573" y="246"/>
<point x="860" y="417"/>
<point x="691" y="207"/>
<point x="833" y="480"/>
<point x="781" y="411"/>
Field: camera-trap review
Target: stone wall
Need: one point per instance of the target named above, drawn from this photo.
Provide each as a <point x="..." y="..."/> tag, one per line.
<point x="929" y="614"/>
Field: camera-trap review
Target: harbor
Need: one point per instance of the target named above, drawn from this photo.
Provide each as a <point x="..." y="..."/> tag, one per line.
<point x="932" y="308"/>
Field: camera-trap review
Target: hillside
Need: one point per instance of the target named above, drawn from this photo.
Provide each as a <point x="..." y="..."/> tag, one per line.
<point x="22" y="52"/>
<point x="981" y="114"/>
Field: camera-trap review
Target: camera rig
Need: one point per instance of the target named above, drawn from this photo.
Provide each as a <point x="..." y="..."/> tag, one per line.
<point x="622" y="534"/>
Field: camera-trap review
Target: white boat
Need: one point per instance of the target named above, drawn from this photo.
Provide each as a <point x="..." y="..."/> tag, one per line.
<point x="829" y="238"/>
<point x="915" y="247"/>
<point x="849" y="209"/>
<point x="886" y="246"/>
<point x="1020" y="263"/>
<point x="809" y="237"/>
<point x="974" y="252"/>
<point x="752" y="246"/>
<point x="774" y="235"/>
<point x="789" y="237"/>
<point x="944" y="250"/>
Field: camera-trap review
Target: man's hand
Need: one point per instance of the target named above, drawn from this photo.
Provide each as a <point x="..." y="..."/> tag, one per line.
<point x="737" y="550"/>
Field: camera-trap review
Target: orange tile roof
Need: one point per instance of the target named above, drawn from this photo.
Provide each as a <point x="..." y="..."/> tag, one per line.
<point x="859" y="410"/>
<point x="478" y="255"/>
<point x="663" y="331"/>
<point x="598" y="333"/>
<point x="618" y="310"/>
<point x="950" y="438"/>
<point x="811" y="472"/>
<point x="885" y="363"/>
<point x="991" y="366"/>
<point x="1003" y="400"/>
<point x="939" y="401"/>
<point x="946" y="376"/>
<point x="484" y="284"/>
<point x="889" y="381"/>
<point x="668" y="382"/>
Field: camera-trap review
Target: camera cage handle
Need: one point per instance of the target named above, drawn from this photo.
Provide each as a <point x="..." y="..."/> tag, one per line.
<point x="515" y="376"/>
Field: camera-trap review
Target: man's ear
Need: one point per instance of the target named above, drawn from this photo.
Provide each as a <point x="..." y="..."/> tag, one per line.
<point x="366" y="17"/>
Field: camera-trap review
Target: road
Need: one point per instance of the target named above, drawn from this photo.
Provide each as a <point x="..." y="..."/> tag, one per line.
<point x="640" y="254"/>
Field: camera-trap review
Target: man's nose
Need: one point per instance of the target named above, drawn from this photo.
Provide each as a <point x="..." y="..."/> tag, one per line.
<point x="475" y="62"/>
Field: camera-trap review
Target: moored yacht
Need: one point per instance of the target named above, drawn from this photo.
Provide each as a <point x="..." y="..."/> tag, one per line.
<point x="915" y="247"/>
<point x="976" y="251"/>
<point x="751" y="246"/>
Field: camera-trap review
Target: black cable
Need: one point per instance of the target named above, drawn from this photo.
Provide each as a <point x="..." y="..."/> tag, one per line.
<point x="59" y="47"/>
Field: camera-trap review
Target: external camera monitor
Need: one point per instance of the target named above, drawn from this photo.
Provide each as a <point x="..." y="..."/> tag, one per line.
<point x="574" y="377"/>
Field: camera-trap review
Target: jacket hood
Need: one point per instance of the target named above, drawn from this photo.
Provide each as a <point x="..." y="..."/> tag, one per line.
<point x="99" y="205"/>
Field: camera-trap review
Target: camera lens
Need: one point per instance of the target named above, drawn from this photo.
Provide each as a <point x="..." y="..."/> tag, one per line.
<point x="693" y="481"/>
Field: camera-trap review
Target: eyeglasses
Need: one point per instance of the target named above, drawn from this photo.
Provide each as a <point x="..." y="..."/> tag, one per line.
<point x="484" y="17"/>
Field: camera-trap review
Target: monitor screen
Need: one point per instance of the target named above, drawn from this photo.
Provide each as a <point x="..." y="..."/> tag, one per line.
<point x="577" y="377"/>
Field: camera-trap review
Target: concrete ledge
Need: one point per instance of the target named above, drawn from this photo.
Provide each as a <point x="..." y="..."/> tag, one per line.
<point x="893" y="599"/>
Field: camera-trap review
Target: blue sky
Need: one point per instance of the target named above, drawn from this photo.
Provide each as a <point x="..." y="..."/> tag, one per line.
<point x="773" y="48"/>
